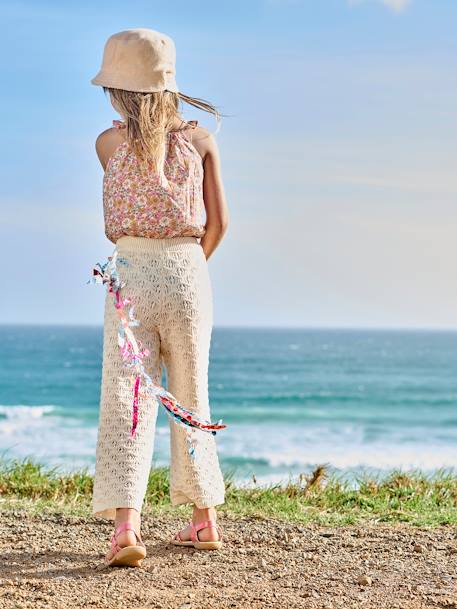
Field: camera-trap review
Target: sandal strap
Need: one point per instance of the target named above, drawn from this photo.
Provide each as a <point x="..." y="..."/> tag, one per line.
<point x="203" y="525"/>
<point x="125" y="526"/>
<point x="114" y="547"/>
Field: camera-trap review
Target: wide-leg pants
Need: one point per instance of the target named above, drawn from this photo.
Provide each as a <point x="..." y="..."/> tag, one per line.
<point x="168" y="282"/>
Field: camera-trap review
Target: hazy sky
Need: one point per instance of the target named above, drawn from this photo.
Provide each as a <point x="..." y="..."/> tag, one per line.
<point x="338" y="156"/>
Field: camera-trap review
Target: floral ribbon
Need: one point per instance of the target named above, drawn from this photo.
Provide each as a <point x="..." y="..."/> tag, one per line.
<point x="133" y="354"/>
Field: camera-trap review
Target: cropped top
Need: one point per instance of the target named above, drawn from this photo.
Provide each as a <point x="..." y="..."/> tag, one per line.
<point x="137" y="204"/>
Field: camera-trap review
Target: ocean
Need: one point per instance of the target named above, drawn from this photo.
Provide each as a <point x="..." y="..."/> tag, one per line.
<point x="360" y="401"/>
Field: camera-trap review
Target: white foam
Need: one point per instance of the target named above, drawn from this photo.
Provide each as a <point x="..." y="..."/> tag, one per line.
<point x="270" y="451"/>
<point x="25" y="412"/>
<point x="342" y="447"/>
<point x="35" y="432"/>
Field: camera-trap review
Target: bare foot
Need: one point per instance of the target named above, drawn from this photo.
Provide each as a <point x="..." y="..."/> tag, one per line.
<point x="206" y="534"/>
<point x="126" y="538"/>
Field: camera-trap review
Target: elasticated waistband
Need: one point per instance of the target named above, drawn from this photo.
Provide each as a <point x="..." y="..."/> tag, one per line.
<point x="146" y="244"/>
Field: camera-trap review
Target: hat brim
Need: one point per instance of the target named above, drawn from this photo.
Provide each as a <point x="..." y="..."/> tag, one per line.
<point x="103" y="80"/>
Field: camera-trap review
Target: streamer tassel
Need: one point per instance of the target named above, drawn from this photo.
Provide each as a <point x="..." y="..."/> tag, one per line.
<point x="133" y="354"/>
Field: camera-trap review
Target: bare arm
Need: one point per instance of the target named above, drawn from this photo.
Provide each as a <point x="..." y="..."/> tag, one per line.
<point x="217" y="215"/>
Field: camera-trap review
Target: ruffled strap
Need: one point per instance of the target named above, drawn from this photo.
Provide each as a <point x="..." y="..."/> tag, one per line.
<point x="185" y="134"/>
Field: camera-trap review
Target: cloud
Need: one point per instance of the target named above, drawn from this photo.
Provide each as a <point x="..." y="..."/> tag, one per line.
<point x="395" y="5"/>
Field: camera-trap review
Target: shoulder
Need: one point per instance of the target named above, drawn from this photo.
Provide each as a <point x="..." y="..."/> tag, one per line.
<point x="114" y="133"/>
<point x="106" y="142"/>
<point x="106" y="137"/>
<point x="204" y="141"/>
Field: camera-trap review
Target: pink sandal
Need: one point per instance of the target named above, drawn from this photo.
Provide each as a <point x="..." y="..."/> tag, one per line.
<point x="195" y="541"/>
<point x="128" y="556"/>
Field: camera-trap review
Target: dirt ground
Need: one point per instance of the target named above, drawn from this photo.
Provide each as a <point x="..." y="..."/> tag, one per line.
<point x="56" y="562"/>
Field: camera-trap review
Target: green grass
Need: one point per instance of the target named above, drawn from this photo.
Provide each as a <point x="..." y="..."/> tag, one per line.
<point x="319" y="498"/>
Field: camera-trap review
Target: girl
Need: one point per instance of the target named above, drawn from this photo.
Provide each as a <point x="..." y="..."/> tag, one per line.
<point x="160" y="172"/>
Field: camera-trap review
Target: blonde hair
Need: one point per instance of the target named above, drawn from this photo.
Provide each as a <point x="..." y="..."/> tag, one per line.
<point x="148" y="117"/>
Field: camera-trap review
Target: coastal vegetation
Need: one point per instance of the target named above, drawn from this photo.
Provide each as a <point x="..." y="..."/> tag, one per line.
<point x="319" y="498"/>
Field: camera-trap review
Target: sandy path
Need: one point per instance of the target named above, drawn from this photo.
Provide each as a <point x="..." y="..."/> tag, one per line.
<point x="55" y="562"/>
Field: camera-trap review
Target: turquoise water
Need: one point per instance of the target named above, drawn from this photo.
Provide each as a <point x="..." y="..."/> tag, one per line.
<point x="360" y="401"/>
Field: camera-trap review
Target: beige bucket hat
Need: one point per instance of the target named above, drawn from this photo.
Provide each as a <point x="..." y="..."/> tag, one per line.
<point x="138" y="60"/>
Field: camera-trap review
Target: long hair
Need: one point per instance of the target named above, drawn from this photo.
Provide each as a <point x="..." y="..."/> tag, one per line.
<point x="149" y="116"/>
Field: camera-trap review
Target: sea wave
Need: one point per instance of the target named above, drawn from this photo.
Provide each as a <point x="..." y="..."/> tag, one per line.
<point x="380" y="458"/>
<point x="264" y="450"/>
<point x="20" y="411"/>
<point x="280" y="449"/>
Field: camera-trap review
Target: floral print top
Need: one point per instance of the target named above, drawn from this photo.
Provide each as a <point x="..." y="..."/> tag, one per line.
<point x="139" y="205"/>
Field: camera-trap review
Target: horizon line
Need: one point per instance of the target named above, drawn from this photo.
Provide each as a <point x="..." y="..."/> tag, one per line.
<point x="254" y="327"/>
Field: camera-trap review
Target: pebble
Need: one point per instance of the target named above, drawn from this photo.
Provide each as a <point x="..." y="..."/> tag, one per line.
<point x="364" y="580"/>
<point x="419" y="548"/>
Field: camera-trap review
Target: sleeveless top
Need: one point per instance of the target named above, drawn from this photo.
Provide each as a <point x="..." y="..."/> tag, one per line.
<point x="137" y="204"/>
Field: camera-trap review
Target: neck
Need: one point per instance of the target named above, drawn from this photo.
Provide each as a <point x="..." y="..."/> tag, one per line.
<point x="177" y="122"/>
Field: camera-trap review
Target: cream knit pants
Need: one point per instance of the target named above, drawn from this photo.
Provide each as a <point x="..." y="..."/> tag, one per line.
<point x="169" y="285"/>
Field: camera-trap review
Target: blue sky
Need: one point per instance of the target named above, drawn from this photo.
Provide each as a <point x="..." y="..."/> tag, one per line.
<point x="338" y="156"/>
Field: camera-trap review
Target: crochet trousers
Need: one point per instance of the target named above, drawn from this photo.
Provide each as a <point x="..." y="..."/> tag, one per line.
<point x="168" y="282"/>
